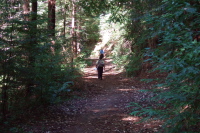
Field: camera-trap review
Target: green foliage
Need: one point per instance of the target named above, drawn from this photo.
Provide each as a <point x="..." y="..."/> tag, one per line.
<point x="94" y="8"/>
<point x="120" y="61"/>
<point x="91" y="31"/>
<point x="133" y="68"/>
<point x="33" y="70"/>
<point x="36" y="68"/>
<point x="178" y="55"/>
<point x="130" y="37"/>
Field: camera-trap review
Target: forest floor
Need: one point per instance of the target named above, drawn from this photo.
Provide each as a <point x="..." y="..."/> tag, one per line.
<point x="102" y="108"/>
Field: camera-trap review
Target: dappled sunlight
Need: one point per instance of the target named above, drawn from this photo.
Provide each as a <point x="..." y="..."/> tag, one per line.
<point x="131" y="119"/>
<point x="153" y="124"/>
<point x="97" y="49"/>
<point x="150" y="124"/>
<point x="91" y="77"/>
<point x="113" y="96"/>
<point x="125" y="90"/>
<point x="105" y="106"/>
<point x="106" y="35"/>
<point x="96" y="110"/>
<point x="91" y="72"/>
<point x="102" y="110"/>
<point x="107" y="72"/>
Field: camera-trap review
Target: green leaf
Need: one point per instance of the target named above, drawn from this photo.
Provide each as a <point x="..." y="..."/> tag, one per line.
<point x="190" y="9"/>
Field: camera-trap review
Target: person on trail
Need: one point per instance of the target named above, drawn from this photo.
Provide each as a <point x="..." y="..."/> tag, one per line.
<point x="101" y="52"/>
<point x="100" y="65"/>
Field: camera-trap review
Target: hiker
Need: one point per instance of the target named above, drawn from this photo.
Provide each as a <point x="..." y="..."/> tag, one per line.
<point x="101" y="52"/>
<point x="100" y="65"/>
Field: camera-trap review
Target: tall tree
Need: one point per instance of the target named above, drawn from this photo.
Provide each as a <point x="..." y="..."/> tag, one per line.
<point x="34" y="11"/>
<point x="73" y="30"/>
<point x="32" y="44"/>
<point x="26" y="10"/>
<point x="51" y="17"/>
<point x="176" y="23"/>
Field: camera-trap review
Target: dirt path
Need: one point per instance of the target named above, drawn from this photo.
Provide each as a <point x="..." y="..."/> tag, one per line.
<point x="103" y="110"/>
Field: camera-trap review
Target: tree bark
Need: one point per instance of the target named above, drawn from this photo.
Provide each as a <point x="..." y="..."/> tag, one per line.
<point x="52" y="22"/>
<point x="26" y="10"/>
<point x="73" y="32"/>
<point x="51" y="16"/>
<point x="34" y="10"/>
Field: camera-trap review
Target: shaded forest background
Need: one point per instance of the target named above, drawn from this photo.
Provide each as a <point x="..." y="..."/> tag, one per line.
<point x="43" y="45"/>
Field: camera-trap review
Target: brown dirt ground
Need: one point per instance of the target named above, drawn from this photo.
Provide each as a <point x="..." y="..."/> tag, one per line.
<point x="102" y="108"/>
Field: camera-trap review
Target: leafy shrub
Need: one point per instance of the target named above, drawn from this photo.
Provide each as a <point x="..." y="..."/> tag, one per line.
<point x="133" y="68"/>
<point x="178" y="54"/>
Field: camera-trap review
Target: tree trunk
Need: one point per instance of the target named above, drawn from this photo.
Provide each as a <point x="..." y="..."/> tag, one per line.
<point x="65" y="20"/>
<point x="26" y="10"/>
<point x="51" y="16"/>
<point x="73" y="32"/>
<point x="32" y="46"/>
<point x="52" y="22"/>
<point x="34" y="10"/>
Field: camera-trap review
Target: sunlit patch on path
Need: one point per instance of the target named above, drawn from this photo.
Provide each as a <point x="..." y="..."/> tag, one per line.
<point x="103" y="110"/>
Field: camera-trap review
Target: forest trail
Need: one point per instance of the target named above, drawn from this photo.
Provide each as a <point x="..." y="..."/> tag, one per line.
<point x="104" y="109"/>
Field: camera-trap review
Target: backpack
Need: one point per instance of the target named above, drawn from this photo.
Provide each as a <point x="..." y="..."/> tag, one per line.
<point x="100" y="63"/>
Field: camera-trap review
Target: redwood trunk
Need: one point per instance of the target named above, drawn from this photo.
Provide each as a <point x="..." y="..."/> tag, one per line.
<point x="51" y="16"/>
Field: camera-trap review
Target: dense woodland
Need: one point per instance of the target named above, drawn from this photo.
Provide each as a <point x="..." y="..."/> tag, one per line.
<point x="43" y="44"/>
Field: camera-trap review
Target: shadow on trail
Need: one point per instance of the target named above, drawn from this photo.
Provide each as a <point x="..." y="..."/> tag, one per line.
<point x="107" y="110"/>
<point x="103" y="110"/>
